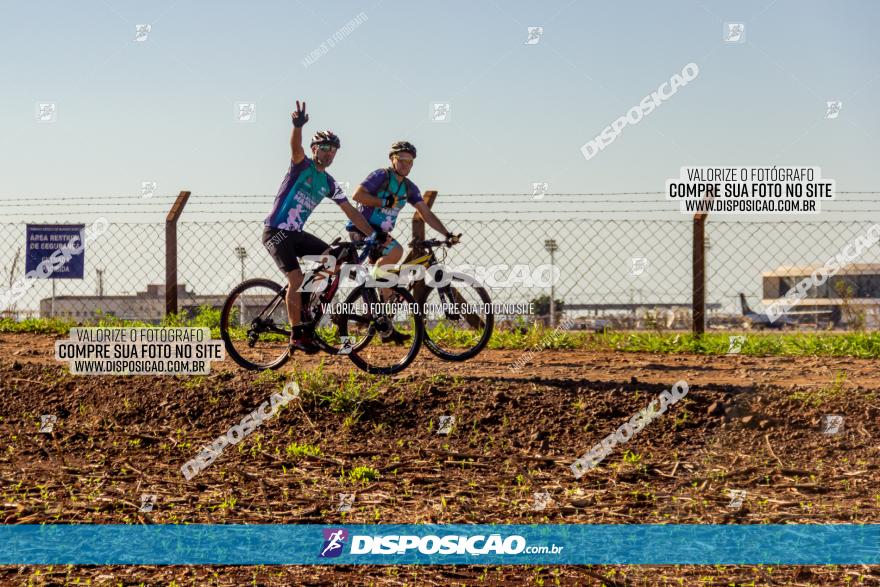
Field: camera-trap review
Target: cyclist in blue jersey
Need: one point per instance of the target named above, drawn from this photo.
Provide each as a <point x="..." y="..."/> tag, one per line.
<point x="382" y="196"/>
<point x="304" y="186"/>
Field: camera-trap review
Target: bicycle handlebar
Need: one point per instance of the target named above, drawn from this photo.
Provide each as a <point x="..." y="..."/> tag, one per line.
<point x="436" y="242"/>
<point x="368" y="246"/>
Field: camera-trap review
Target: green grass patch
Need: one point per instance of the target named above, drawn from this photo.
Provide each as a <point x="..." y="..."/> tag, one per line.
<point x="362" y="475"/>
<point x="797" y="344"/>
<point x="853" y="344"/>
<point x="270" y="376"/>
<point x="341" y="395"/>
<point x="858" y="344"/>
<point x="37" y="325"/>
<point x="818" y="397"/>
<point x="206" y="317"/>
<point x="295" y="450"/>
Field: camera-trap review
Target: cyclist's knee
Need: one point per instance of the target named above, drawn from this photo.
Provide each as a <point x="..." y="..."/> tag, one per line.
<point x="394" y="255"/>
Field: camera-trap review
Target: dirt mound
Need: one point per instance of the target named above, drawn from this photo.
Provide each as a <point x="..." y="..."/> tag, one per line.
<point x="752" y="425"/>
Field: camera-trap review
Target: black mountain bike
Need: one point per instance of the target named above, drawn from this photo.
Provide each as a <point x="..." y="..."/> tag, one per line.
<point x="380" y="336"/>
<point x="456" y="309"/>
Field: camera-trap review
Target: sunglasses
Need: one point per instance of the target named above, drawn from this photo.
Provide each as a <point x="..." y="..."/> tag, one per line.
<point x="326" y="148"/>
<point x="404" y="159"/>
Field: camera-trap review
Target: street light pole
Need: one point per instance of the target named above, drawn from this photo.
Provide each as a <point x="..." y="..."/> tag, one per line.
<point x="241" y="253"/>
<point x="550" y="245"/>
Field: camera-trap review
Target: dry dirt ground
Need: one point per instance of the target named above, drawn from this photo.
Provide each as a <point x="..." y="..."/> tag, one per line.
<point x="748" y="423"/>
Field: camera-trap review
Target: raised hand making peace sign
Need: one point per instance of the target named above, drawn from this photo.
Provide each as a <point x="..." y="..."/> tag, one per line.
<point x="299" y="117"/>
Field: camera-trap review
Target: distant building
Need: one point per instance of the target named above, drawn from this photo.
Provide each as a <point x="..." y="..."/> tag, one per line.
<point x="860" y="283"/>
<point x="146" y="306"/>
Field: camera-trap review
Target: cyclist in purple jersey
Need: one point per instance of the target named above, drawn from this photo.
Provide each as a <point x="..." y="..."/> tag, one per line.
<point x="384" y="193"/>
<point x="380" y="198"/>
<point x="305" y="185"/>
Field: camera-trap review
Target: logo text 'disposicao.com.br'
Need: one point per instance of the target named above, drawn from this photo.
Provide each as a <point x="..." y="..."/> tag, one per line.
<point x="451" y="544"/>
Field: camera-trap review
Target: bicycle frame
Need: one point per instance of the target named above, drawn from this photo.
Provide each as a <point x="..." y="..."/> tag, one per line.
<point x="308" y="315"/>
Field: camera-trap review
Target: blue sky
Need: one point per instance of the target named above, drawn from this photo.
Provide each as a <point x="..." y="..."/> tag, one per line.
<point x="162" y="109"/>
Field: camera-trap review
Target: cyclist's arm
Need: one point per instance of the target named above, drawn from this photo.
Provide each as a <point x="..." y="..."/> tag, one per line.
<point x="363" y="196"/>
<point x="356" y="217"/>
<point x="429" y="217"/>
<point x="297" y="154"/>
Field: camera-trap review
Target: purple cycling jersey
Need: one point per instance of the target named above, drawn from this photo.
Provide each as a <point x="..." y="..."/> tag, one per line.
<point x="384" y="219"/>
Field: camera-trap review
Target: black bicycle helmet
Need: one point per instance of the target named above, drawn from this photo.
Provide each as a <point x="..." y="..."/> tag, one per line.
<point x="325" y="137"/>
<point x="403" y="147"/>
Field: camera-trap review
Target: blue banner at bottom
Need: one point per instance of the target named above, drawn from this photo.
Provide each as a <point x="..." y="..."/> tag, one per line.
<point x="456" y="544"/>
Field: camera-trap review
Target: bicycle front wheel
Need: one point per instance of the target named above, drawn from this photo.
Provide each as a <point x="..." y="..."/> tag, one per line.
<point x="254" y="325"/>
<point x="458" y="319"/>
<point x="381" y="337"/>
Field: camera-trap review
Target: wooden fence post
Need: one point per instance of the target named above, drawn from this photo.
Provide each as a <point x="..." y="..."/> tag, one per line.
<point x="418" y="233"/>
<point x="699" y="273"/>
<point x="698" y="309"/>
<point x="171" y="252"/>
<point x="418" y="223"/>
<point x="418" y="227"/>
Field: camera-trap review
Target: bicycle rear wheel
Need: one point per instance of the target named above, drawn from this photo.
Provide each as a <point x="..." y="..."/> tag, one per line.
<point x="384" y="337"/>
<point x="456" y="335"/>
<point x="254" y="325"/>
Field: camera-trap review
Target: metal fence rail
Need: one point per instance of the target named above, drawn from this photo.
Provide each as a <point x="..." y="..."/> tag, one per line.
<point x="626" y="263"/>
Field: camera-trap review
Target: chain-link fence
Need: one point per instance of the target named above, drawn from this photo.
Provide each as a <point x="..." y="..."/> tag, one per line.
<point x="629" y="270"/>
<point x="121" y="266"/>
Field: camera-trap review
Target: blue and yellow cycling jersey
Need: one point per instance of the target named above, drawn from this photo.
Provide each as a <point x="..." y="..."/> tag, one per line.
<point x="301" y="191"/>
<point x="381" y="183"/>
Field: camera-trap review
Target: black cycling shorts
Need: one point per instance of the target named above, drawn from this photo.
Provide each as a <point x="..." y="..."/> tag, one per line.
<point x="285" y="246"/>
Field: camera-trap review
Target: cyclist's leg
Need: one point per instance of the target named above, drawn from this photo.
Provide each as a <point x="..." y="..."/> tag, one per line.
<point x="391" y="255"/>
<point x="356" y="236"/>
<point x="281" y="245"/>
<point x="294" y="299"/>
<point x="284" y="247"/>
<point x="303" y="244"/>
